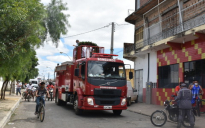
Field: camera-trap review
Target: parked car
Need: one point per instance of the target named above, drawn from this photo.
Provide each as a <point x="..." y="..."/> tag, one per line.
<point x="132" y="94"/>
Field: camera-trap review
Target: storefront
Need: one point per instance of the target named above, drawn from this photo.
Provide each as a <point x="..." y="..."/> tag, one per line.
<point x="181" y="62"/>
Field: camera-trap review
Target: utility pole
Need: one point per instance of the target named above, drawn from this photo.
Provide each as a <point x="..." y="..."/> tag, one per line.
<point x="112" y="37"/>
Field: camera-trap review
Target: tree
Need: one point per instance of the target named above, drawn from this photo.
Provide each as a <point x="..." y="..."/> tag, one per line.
<point x="56" y="20"/>
<point x="24" y="27"/>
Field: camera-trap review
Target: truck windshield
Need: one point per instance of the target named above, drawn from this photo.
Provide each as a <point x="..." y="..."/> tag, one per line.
<point x="106" y="69"/>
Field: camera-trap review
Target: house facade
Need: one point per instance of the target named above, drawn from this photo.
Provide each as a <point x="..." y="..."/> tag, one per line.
<point x="169" y="46"/>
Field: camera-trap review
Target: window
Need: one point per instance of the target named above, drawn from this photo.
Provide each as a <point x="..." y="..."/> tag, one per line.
<point x="83" y="70"/>
<point x="102" y="69"/>
<point x="139" y="34"/>
<point x="194" y="70"/>
<point x="168" y="76"/>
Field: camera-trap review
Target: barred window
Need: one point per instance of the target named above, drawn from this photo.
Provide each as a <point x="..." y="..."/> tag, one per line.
<point x="168" y="76"/>
<point x="139" y="34"/>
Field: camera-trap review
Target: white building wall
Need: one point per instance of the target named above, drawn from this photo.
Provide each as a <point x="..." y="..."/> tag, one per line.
<point x="153" y="67"/>
<point x="142" y="63"/>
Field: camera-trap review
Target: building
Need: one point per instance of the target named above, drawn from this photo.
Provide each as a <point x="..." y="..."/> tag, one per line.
<point x="127" y="75"/>
<point x="169" y="45"/>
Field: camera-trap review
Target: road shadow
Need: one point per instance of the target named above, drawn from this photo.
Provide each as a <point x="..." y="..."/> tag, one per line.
<point x="29" y="119"/>
<point x="93" y="113"/>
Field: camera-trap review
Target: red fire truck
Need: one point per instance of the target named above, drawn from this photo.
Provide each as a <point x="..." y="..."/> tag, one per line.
<point x="92" y="81"/>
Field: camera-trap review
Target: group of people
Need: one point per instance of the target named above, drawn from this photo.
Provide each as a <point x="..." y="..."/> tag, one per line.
<point x="40" y="91"/>
<point x="185" y="98"/>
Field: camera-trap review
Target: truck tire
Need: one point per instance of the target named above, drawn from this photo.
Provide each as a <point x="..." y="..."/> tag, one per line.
<point x="117" y="112"/>
<point x="75" y="106"/>
<point x="57" y="101"/>
<point x="129" y="102"/>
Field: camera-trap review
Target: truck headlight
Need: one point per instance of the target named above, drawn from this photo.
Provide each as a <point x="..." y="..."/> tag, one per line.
<point x="123" y="101"/>
<point x="90" y="101"/>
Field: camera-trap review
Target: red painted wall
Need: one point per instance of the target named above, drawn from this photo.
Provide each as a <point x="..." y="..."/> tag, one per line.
<point x="178" y="53"/>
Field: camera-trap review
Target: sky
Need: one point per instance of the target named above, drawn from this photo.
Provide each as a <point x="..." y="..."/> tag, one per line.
<point x="87" y="15"/>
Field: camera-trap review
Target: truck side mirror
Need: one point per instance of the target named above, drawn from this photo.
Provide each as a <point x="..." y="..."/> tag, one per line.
<point x="77" y="72"/>
<point x="130" y="75"/>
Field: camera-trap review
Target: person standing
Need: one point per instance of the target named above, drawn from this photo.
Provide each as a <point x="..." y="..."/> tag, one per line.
<point x="177" y="88"/>
<point x="77" y="42"/>
<point x="196" y="88"/>
<point x="185" y="107"/>
<point x="18" y="87"/>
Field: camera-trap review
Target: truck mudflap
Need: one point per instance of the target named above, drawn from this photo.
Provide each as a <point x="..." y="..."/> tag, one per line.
<point x="89" y="103"/>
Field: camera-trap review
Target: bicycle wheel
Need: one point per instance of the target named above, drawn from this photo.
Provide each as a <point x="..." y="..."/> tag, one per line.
<point x="198" y="108"/>
<point x="158" y="118"/>
<point x="42" y="113"/>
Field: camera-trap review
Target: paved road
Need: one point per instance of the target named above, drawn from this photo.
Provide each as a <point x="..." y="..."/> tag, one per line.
<point x="64" y="117"/>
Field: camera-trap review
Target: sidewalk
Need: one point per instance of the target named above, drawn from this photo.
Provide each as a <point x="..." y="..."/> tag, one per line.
<point x="148" y="109"/>
<point x="7" y="107"/>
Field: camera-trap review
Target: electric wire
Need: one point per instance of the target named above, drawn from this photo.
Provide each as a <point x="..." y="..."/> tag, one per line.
<point x="87" y="31"/>
<point x="118" y="52"/>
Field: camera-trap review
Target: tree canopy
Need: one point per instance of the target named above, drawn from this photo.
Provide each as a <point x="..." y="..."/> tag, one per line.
<point x="24" y="26"/>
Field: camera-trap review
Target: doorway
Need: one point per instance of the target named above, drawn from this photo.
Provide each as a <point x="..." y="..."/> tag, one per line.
<point x="139" y="84"/>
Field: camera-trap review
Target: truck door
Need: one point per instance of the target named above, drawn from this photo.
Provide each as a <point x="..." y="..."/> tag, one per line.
<point x="82" y="76"/>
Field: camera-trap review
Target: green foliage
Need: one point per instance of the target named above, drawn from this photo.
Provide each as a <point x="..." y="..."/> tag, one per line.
<point x="87" y="43"/>
<point x="24" y="26"/>
<point x="56" y="20"/>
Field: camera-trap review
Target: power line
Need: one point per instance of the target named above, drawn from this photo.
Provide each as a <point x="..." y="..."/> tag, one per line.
<point x="118" y="52"/>
<point x="88" y="31"/>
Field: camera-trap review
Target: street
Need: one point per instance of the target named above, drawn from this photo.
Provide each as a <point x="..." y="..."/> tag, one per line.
<point x="64" y="117"/>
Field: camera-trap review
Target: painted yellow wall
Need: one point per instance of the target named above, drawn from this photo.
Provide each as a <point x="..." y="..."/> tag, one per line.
<point x="127" y="76"/>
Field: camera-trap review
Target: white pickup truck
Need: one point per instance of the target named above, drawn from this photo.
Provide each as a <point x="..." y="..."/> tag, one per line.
<point x="132" y="94"/>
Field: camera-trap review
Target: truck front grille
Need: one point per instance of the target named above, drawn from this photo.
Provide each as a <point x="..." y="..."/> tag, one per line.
<point x="107" y="101"/>
<point x="107" y="92"/>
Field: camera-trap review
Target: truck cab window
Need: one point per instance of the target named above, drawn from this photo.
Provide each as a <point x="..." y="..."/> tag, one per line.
<point x="106" y="69"/>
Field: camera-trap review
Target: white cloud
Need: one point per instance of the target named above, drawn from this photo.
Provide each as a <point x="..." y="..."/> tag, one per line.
<point x="86" y="15"/>
<point x="50" y="49"/>
<point x="59" y="58"/>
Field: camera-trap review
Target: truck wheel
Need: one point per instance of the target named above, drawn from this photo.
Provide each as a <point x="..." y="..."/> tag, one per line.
<point x="129" y="102"/>
<point x="57" y="101"/>
<point x="75" y="105"/>
<point x="136" y="101"/>
<point x="117" y="112"/>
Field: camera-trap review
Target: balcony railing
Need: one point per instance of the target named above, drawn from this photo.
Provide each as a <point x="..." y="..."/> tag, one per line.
<point x="128" y="48"/>
<point x="193" y="16"/>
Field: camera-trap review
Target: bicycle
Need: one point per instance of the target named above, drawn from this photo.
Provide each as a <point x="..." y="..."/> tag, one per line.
<point x="41" y="110"/>
<point x="198" y="105"/>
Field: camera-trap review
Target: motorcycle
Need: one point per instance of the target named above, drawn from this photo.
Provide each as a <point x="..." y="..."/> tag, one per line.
<point x="159" y="117"/>
<point x="51" y="94"/>
<point x="28" y="96"/>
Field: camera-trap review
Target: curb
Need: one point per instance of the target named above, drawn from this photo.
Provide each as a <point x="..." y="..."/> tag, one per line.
<point x="4" y="121"/>
<point x="148" y="115"/>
